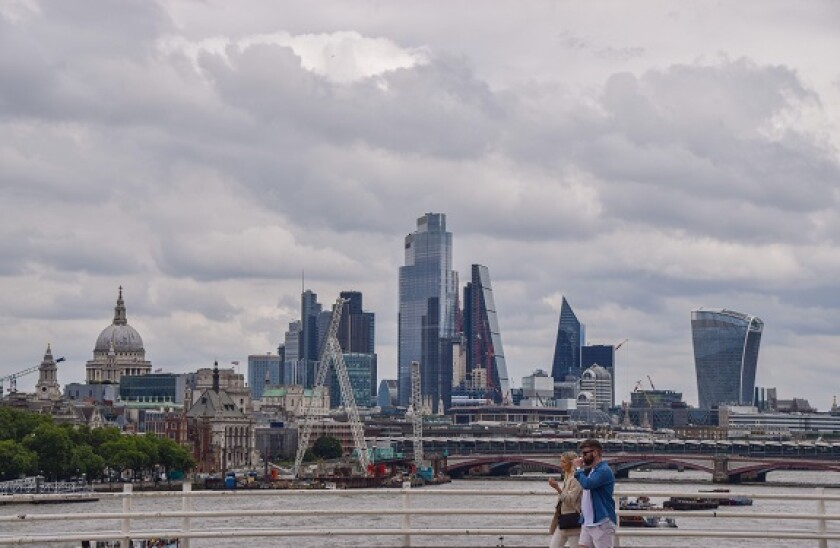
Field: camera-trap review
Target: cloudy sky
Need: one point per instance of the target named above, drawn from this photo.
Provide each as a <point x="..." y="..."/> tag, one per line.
<point x="643" y="159"/>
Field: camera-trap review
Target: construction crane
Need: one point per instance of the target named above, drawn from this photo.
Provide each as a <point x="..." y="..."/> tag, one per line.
<point x="331" y="354"/>
<point x="619" y="345"/>
<point x="415" y="410"/>
<point x="14" y="377"/>
<point x="651" y="383"/>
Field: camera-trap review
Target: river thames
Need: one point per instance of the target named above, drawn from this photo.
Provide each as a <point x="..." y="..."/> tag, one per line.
<point x="787" y="482"/>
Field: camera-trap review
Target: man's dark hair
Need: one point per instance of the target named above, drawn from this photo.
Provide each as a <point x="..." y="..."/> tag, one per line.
<point x="593" y="443"/>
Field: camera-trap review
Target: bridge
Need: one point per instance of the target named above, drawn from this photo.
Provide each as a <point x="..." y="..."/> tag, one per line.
<point x="722" y="468"/>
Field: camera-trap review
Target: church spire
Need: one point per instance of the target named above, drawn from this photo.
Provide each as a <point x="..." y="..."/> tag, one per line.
<point x="119" y="310"/>
<point x="216" y="376"/>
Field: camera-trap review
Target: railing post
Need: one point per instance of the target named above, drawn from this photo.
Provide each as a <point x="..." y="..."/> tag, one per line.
<point x="186" y="505"/>
<point x="406" y="517"/>
<point x="822" y="543"/>
<point x="125" y="529"/>
<point x="617" y="502"/>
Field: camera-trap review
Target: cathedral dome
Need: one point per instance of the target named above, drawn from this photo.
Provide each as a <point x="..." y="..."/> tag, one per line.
<point x="124" y="337"/>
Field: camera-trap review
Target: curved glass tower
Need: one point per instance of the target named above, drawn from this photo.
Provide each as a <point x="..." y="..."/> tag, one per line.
<point x="428" y="297"/>
<point x="725" y="356"/>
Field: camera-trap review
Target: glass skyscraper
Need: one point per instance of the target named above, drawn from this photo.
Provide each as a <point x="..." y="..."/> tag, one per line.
<point x="263" y="369"/>
<point x="483" y="336"/>
<point x="725" y="356"/>
<point x="570" y="340"/>
<point x="428" y="294"/>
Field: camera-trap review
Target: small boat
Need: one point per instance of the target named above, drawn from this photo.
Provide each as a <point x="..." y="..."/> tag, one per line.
<point x="660" y="521"/>
<point x="690" y="503"/>
<point x="642" y="503"/>
<point x="732" y="500"/>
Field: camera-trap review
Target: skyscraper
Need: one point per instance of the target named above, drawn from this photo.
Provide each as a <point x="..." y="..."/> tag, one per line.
<point x="310" y="311"/>
<point x="725" y="356"/>
<point x="483" y="336"/>
<point x="263" y="369"/>
<point x="355" y="336"/>
<point x="570" y="339"/>
<point x="428" y="290"/>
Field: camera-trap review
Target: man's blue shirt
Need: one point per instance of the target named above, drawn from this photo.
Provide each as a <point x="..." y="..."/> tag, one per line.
<point x="600" y="482"/>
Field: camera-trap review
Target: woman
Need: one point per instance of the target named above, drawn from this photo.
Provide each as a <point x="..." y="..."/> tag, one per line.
<point x="570" y="493"/>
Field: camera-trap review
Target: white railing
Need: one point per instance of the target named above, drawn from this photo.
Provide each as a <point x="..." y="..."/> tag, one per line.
<point x="401" y="504"/>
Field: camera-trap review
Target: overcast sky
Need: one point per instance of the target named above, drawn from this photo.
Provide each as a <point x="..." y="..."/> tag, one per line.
<point x="641" y="158"/>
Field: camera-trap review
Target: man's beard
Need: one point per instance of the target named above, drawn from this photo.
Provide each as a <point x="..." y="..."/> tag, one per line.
<point x="588" y="459"/>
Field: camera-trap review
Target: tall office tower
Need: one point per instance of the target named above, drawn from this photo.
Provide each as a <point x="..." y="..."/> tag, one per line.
<point x="263" y="369"/>
<point x="484" y="339"/>
<point x="599" y="354"/>
<point x="428" y="293"/>
<point x="725" y="356"/>
<point x="356" y="337"/>
<point x="310" y="327"/>
<point x="292" y="371"/>
<point x="570" y="339"/>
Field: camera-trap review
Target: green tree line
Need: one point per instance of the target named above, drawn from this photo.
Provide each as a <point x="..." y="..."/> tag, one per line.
<point x="31" y="444"/>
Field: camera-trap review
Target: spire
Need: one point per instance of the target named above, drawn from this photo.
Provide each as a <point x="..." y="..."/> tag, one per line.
<point x="216" y="376"/>
<point x="48" y="356"/>
<point x="119" y="310"/>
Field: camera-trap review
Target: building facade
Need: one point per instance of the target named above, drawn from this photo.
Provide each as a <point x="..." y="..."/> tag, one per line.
<point x="599" y="354"/>
<point x="483" y="336"/>
<point x="726" y="347"/>
<point x="597" y="383"/>
<point x="570" y="340"/>
<point x="428" y="295"/>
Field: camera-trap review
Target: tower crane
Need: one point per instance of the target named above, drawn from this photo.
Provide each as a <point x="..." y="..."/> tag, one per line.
<point x="619" y="345"/>
<point x="651" y="383"/>
<point x="14" y="377"/>
<point x="331" y="354"/>
<point x="416" y="412"/>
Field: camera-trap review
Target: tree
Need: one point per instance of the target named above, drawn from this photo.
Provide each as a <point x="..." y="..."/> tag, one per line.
<point x="85" y="461"/>
<point x="54" y="449"/>
<point x="327" y="447"/>
<point x="17" y="425"/>
<point x="16" y="460"/>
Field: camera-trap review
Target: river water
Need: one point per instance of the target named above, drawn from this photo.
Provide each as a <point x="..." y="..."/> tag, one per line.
<point x="658" y="480"/>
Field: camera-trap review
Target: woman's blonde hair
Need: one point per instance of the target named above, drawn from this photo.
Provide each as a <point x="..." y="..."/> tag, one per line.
<point x="569" y="456"/>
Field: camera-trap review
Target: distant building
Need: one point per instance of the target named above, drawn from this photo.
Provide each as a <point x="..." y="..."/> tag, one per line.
<point x="387" y="396"/>
<point x="47" y="387"/>
<point x="538" y="387"/>
<point x="483" y="335"/>
<point x="428" y="294"/>
<point x="310" y="310"/>
<point x="118" y="351"/>
<point x="293" y="372"/>
<point x="356" y="337"/>
<point x="221" y="435"/>
<point x="92" y="393"/>
<point x="651" y="399"/>
<point x="726" y="347"/>
<point x="361" y="370"/>
<point x="154" y="388"/>
<point x="599" y="354"/>
<point x="230" y="381"/>
<point x="263" y="370"/>
<point x="596" y="389"/>
<point x="571" y="335"/>
<point x="292" y="401"/>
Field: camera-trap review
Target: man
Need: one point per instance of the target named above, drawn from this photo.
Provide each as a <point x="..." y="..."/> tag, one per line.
<point x="597" y="505"/>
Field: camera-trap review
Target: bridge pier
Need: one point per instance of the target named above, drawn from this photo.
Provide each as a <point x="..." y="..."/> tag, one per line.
<point x="721" y="473"/>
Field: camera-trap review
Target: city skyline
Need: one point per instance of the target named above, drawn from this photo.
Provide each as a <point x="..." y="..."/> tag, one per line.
<point x="644" y="161"/>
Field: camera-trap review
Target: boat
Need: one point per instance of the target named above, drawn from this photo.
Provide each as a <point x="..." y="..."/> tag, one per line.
<point x="642" y="503"/>
<point x="690" y="503"/>
<point x="732" y="500"/>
